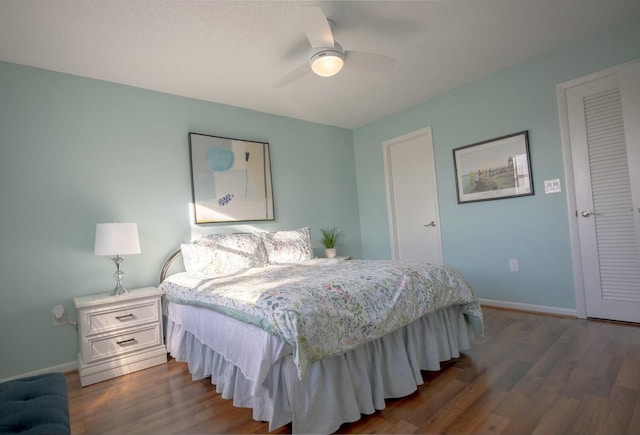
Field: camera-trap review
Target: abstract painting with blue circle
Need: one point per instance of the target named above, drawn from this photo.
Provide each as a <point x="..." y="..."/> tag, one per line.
<point x="231" y="179"/>
<point x="219" y="159"/>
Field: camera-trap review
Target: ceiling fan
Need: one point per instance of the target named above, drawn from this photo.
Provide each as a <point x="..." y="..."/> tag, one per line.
<point x="327" y="57"/>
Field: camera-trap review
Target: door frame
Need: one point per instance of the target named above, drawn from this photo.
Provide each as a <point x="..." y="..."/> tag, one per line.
<point x="563" y="115"/>
<point x="386" y="146"/>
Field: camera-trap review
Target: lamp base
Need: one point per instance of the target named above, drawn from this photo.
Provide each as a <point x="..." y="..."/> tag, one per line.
<point x="118" y="276"/>
<point x="119" y="290"/>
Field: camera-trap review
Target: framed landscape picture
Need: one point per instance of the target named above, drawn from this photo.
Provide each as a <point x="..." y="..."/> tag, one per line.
<point x="230" y="179"/>
<point x="494" y="169"/>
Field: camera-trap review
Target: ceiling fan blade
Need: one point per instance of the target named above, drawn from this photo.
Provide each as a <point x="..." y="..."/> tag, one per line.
<point x="294" y="75"/>
<point x="297" y="51"/>
<point x="366" y="61"/>
<point x="316" y="27"/>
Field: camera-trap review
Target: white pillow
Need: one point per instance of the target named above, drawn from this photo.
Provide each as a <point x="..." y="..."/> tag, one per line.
<point x="292" y="246"/>
<point x="224" y="254"/>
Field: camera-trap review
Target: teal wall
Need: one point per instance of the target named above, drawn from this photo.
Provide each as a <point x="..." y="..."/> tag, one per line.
<point x="75" y="152"/>
<point x="479" y="238"/>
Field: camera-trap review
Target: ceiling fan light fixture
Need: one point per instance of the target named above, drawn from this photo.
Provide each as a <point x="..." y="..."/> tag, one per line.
<point x="327" y="62"/>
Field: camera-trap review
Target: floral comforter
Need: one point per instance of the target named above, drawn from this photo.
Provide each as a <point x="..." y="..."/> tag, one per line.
<point x="325" y="307"/>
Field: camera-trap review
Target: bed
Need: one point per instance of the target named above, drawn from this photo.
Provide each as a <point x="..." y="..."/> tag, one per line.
<point x="308" y="341"/>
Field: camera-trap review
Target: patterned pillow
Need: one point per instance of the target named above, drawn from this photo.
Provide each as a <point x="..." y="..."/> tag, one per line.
<point x="224" y="254"/>
<point x="291" y="246"/>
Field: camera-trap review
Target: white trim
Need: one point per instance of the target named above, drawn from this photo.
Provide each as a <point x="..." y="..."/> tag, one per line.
<point x="529" y="307"/>
<point x="64" y="368"/>
<point x="561" y="93"/>
<point x="574" y="239"/>
<point x="391" y="217"/>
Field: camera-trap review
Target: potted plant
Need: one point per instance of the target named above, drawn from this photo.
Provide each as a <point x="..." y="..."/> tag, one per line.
<point x="331" y="236"/>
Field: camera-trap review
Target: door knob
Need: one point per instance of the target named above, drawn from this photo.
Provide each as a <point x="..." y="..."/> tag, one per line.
<point x="588" y="213"/>
<point x="431" y="224"/>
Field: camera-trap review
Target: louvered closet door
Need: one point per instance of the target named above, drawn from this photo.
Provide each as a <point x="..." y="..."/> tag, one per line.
<point x="603" y="124"/>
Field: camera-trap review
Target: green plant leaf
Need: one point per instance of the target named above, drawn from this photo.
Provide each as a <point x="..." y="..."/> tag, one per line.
<point x="331" y="236"/>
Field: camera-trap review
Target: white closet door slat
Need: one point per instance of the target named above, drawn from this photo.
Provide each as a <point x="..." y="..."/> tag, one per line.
<point x="612" y="200"/>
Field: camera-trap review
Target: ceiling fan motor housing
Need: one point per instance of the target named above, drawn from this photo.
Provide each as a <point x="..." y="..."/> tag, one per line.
<point x="326" y="61"/>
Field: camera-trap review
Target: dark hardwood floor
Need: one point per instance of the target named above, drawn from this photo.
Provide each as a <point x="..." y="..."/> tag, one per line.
<point x="530" y="374"/>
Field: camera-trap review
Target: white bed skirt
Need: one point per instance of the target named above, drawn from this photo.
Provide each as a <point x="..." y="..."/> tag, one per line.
<point x="335" y="390"/>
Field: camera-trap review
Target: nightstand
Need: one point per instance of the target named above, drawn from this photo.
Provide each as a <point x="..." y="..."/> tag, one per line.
<point x="119" y="334"/>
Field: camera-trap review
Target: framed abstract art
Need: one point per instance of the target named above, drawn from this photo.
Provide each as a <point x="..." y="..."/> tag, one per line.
<point x="230" y="179"/>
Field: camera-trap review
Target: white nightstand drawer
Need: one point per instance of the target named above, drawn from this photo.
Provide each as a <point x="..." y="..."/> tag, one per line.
<point x="98" y="321"/>
<point x="129" y="341"/>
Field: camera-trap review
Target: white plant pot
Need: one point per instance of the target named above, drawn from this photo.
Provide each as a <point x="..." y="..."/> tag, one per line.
<point x="330" y="252"/>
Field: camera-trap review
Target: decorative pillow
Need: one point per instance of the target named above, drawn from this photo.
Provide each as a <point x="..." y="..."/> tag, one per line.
<point x="291" y="246"/>
<point x="224" y="254"/>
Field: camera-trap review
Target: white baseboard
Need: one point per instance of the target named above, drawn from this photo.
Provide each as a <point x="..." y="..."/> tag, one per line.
<point x="572" y="312"/>
<point x="66" y="367"/>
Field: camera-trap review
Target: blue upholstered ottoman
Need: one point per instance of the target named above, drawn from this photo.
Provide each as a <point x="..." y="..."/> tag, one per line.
<point x="35" y="405"/>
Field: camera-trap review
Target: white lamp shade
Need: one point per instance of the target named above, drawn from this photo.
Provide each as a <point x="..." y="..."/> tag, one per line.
<point x="117" y="239"/>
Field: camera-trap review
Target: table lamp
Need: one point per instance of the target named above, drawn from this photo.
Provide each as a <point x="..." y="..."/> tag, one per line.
<point x="117" y="239"/>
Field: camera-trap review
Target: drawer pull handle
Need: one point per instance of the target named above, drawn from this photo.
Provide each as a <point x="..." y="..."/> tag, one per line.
<point x="124" y="342"/>
<point x="126" y="316"/>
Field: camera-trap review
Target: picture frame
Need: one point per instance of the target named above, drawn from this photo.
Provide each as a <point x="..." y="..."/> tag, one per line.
<point x="498" y="168"/>
<point x="230" y="179"/>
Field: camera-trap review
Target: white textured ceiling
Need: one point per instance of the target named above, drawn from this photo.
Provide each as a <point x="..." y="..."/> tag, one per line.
<point x="233" y="52"/>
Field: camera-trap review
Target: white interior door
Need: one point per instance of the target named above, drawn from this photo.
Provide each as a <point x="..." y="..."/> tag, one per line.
<point x="604" y="128"/>
<point x="412" y="198"/>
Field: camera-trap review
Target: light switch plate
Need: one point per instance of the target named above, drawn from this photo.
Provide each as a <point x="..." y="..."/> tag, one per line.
<point x="552" y="186"/>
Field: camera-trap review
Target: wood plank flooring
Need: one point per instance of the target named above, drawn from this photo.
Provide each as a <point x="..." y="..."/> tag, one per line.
<point x="530" y="374"/>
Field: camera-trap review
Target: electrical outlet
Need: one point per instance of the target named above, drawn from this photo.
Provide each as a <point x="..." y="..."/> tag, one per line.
<point x="513" y="265"/>
<point x="58" y="316"/>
